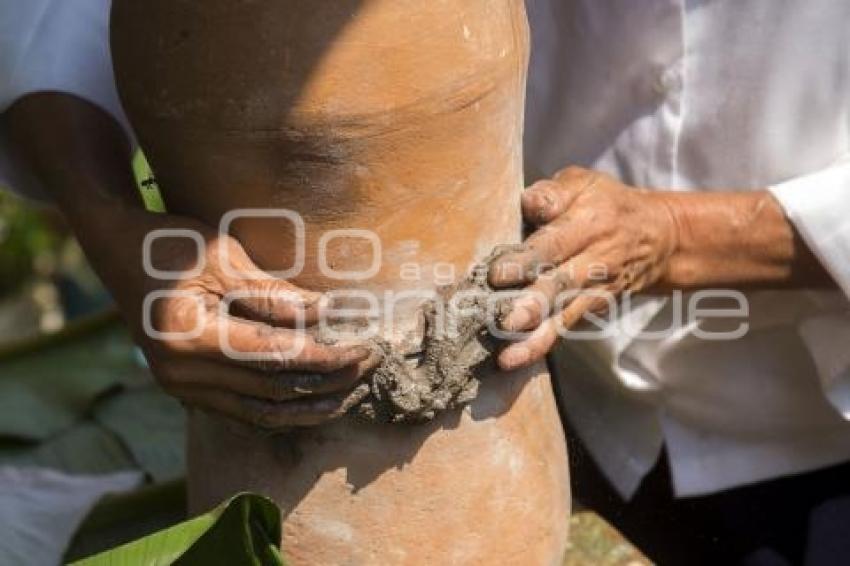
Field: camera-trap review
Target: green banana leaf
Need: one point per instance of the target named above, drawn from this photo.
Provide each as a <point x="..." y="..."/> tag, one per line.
<point x="244" y="531"/>
<point x="85" y="449"/>
<point x="120" y="518"/>
<point x="50" y="383"/>
<point x="151" y="425"/>
<point x="146" y="182"/>
<point x="87" y="377"/>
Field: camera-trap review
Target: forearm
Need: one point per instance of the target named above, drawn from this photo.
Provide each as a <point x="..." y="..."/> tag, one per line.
<point x="76" y="149"/>
<point x="603" y="239"/>
<point x="82" y="157"/>
<point x="738" y="240"/>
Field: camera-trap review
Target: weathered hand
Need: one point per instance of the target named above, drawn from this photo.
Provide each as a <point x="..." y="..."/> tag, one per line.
<point x="280" y="376"/>
<point x="597" y="238"/>
<point x="82" y="157"/>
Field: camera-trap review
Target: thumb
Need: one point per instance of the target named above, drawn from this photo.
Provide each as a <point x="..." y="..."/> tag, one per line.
<point x="276" y="302"/>
<point x="255" y="295"/>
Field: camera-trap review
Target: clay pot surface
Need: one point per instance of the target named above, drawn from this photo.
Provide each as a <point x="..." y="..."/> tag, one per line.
<point x="403" y="118"/>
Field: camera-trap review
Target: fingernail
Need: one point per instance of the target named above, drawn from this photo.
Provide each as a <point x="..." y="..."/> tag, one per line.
<point x="518" y="319"/>
<point x="513" y="358"/>
<point x="548" y="203"/>
<point x="539" y="202"/>
<point x="359" y="353"/>
<point x="524" y="313"/>
<point x="506" y="271"/>
<point x="494" y="276"/>
<point x="305" y="384"/>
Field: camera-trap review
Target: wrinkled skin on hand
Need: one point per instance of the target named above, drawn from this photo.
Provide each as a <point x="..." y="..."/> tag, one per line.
<point x="82" y="157"/>
<point x="595" y="239"/>
<point x="287" y="378"/>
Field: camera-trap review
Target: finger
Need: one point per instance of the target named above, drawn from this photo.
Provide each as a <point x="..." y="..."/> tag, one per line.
<point x="546" y="200"/>
<point x="523" y="267"/>
<point x="530" y="310"/>
<point x="274" y="301"/>
<point x="542" y="202"/>
<point x="259" y="346"/>
<point x="268" y="415"/>
<point x="514" y="269"/>
<point x="540" y="342"/>
<point x="547" y="248"/>
<point x="531" y="350"/>
<point x="590" y="302"/>
<point x="257" y="295"/>
<point x="282" y="386"/>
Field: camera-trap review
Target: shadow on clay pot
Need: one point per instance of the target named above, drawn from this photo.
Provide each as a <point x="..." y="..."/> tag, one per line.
<point x="366" y="457"/>
<point x="176" y="59"/>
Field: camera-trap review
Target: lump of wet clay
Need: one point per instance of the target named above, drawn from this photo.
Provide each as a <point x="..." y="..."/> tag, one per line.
<point x="456" y="348"/>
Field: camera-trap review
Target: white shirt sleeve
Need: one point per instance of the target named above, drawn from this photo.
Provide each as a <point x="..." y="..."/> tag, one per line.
<point x="818" y="205"/>
<point x="58" y="46"/>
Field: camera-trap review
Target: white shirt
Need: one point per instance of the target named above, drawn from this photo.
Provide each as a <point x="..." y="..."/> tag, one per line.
<point x="696" y="95"/>
<point x="52" y="45"/>
<point x="706" y="95"/>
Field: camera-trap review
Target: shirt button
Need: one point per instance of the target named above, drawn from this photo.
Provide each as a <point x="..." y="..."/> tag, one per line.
<point x="669" y="80"/>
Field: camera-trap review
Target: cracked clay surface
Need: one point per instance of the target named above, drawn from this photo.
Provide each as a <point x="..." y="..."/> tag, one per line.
<point x="456" y="347"/>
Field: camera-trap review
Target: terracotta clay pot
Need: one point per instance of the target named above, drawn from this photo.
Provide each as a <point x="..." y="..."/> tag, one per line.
<point x="403" y="118"/>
